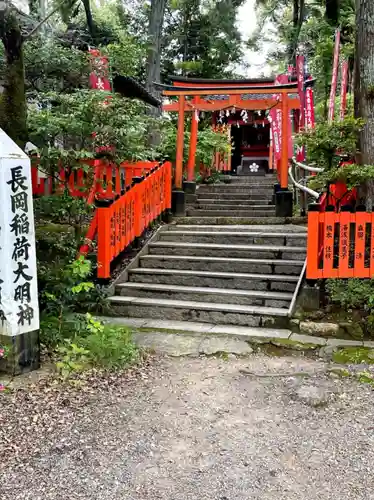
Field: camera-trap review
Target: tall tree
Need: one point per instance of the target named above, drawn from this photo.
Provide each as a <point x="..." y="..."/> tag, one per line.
<point x="202" y="39"/>
<point x="13" y="35"/>
<point x="13" y="99"/>
<point x="155" y="26"/>
<point x="364" y="86"/>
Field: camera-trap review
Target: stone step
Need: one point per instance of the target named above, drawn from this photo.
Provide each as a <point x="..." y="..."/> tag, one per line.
<point x="196" y="212"/>
<point x="240" y="189"/>
<point x="219" y="250"/>
<point x="234" y="237"/>
<point x="188" y="277"/>
<point x="252" y="209"/>
<point x="233" y="196"/>
<point x="205" y="312"/>
<point x="248" y="221"/>
<point x="206" y="294"/>
<point x="256" y="184"/>
<point x="222" y="264"/>
<point x="253" y="181"/>
<point x="254" y="204"/>
<point x="283" y="229"/>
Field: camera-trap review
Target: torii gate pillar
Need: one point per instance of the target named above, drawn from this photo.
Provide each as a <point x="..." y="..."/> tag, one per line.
<point x="283" y="196"/>
<point x="178" y="200"/>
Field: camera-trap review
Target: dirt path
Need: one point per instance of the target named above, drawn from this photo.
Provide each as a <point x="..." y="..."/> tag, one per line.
<point x="193" y="429"/>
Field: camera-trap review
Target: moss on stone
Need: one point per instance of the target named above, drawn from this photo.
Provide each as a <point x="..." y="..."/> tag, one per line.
<point x="294" y="344"/>
<point x="365" y="377"/>
<point x="341" y="372"/>
<point x="353" y="355"/>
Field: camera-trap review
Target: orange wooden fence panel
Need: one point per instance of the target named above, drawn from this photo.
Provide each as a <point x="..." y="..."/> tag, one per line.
<point x="126" y="218"/>
<point x="106" y="179"/>
<point x="340" y="245"/>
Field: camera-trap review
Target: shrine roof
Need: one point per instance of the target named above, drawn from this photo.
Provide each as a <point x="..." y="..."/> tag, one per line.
<point x="213" y="82"/>
<point x="128" y="87"/>
<point x="189" y="87"/>
<point x="226" y="88"/>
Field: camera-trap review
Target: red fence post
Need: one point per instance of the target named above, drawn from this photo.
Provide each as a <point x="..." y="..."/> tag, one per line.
<point x="312" y="271"/>
<point x="359" y="255"/>
<point x="345" y="220"/>
<point x="104" y="257"/>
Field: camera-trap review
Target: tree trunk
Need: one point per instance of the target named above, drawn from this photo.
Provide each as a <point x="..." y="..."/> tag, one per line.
<point x="156" y="21"/>
<point x="90" y="22"/>
<point x="297" y="22"/>
<point x="364" y="86"/>
<point x="13" y="100"/>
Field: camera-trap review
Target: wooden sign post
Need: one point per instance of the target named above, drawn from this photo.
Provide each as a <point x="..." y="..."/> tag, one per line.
<point x="19" y="309"/>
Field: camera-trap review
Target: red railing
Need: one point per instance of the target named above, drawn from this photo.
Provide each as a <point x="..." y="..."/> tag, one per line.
<point x="126" y="218"/>
<point x="340" y="245"/>
<point x="99" y="177"/>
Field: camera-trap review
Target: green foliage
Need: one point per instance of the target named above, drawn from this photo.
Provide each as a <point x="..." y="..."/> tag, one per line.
<point x="94" y="345"/>
<point x="167" y="146"/>
<point x="73" y="126"/>
<point x="352" y="175"/>
<point x="201" y="39"/>
<point x="326" y="140"/>
<point x="324" y="145"/>
<point x="354" y="294"/>
<point x="210" y="142"/>
<point x="110" y="347"/>
<point x="354" y="355"/>
<point x="73" y="359"/>
<point x="51" y="66"/>
<point x="351" y="293"/>
<point x="64" y="291"/>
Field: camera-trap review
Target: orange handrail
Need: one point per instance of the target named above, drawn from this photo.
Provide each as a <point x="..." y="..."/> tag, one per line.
<point x="340" y="245"/>
<point x="109" y="179"/>
<point x="126" y="218"/>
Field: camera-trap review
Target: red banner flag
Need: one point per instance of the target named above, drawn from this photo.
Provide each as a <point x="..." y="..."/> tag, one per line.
<point x="309" y="109"/>
<point x="300" y="63"/>
<point x="99" y="80"/>
<point x="99" y="76"/>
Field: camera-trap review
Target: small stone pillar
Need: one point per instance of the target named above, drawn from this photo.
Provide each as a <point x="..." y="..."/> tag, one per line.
<point x="19" y="308"/>
<point x="283" y="203"/>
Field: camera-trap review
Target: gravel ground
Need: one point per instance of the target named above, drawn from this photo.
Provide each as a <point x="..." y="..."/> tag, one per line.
<point x="192" y="429"/>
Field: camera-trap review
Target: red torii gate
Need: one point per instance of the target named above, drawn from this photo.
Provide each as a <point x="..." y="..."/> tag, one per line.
<point x="196" y="95"/>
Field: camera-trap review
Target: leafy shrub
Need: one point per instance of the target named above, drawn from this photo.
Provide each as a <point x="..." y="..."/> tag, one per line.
<point x="95" y="345"/>
<point x="352" y="293"/>
<point x="356" y="294"/>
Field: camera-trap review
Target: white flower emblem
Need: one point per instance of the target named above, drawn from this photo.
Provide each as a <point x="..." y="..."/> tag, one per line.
<point x="100" y="84"/>
<point x="254" y="167"/>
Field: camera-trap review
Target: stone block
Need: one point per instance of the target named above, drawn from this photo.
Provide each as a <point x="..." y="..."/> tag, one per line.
<point x="23" y="353"/>
<point x="319" y="329"/>
<point x="216" y="345"/>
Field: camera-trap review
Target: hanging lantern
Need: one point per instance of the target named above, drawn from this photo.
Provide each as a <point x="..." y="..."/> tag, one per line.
<point x="227" y="113"/>
<point x="244" y="115"/>
<point x="259" y="112"/>
<point x="233" y="110"/>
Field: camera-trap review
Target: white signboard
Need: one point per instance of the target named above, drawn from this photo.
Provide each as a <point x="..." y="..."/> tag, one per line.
<point x="19" y="309"/>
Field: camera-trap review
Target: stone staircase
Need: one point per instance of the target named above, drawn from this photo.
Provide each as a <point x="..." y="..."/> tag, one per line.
<point x="244" y="197"/>
<point x="223" y="274"/>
